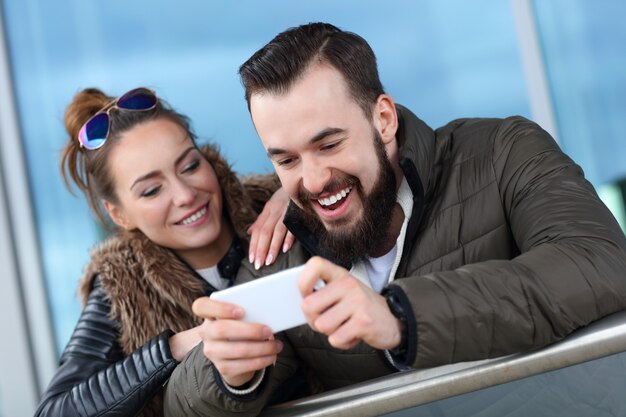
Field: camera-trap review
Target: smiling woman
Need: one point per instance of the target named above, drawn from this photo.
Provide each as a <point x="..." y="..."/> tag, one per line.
<point x="169" y="192"/>
<point x="181" y="218"/>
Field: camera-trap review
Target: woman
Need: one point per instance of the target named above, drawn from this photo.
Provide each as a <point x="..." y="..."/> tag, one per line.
<point x="182" y="218"/>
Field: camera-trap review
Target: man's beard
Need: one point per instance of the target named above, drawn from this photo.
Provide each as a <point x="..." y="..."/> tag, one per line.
<point x="345" y="244"/>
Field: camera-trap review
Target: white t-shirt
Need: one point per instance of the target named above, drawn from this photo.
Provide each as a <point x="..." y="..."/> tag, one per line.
<point x="212" y="276"/>
<point x="378" y="272"/>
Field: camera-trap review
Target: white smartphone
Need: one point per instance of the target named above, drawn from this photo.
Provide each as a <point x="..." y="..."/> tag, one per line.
<point x="273" y="300"/>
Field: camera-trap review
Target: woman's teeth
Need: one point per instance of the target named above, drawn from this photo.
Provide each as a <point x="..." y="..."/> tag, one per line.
<point x="334" y="198"/>
<point x="194" y="216"/>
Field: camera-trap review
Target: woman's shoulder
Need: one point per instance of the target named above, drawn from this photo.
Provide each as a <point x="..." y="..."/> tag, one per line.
<point x="101" y="255"/>
<point x="121" y="257"/>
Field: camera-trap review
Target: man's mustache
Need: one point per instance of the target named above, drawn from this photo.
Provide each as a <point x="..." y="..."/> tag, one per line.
<point x="332" y="185"/>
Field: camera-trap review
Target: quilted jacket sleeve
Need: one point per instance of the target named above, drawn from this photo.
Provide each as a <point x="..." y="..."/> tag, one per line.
<point x="195" y="388"/>
<point x="94" y="379"/>
<point x="571" y="270"/>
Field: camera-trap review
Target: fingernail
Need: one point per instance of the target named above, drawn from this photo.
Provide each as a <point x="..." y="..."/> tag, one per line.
<point x="279" y="346"/>
<point x="257" y="264"/>
<point x="237" y="312"/>
<point x="269" y="259"/>
<point x="285" y="247"/>
<point x="251" y="257"/>
<point x="267" y="332"/>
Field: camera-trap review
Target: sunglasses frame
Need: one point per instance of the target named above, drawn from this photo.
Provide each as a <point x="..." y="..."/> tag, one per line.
<point x="107" y="109"/>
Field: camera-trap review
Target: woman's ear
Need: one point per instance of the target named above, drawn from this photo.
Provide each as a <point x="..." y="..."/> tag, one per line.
<point x="116" y="213"/>
<point x="386" y="118"/>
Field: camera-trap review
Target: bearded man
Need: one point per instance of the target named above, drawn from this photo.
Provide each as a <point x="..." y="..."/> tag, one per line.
<point x="475" y="240"/>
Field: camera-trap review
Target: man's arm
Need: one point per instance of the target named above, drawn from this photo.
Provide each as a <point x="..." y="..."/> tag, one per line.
<point x="196" y="389"/>
<point x="571" y="270"/>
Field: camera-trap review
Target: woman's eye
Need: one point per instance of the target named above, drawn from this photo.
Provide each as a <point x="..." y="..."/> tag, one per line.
<point x="150" y="192"/>
<point x="192" y="166"/>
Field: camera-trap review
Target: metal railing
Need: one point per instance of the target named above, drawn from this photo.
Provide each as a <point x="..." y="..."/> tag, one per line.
<point x="410" y="389"/>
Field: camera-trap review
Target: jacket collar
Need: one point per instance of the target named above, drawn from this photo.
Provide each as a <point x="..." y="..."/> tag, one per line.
<point x="230" y="262"/>
<point x="416" y="143"/>
<point x="416" y="148"/>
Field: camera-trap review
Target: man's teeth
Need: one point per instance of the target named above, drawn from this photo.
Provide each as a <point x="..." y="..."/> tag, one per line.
<point x="194" y="216"/>
<point x="334" y="198"/>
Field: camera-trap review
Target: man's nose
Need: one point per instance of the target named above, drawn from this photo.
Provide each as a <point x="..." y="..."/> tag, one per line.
<point x="314" y="177"/>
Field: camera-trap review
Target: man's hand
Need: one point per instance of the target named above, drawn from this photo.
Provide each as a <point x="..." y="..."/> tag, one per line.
<point x="237" y="349"/>
<point x="346" y="310"/>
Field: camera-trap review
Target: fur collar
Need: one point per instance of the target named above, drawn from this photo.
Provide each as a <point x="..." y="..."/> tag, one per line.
<point x="150" y="289"/>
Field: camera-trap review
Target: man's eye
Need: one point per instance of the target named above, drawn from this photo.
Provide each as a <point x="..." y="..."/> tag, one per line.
<point x="285" y="161"/>
<point x="150" y="192"/>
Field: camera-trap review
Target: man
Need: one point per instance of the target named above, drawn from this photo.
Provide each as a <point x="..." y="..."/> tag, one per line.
<point x="475" y="240"/>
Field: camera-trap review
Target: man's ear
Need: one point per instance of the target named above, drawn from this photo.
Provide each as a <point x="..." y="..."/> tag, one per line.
<point x="386" y="118"/>
<point x="116" y="213"/>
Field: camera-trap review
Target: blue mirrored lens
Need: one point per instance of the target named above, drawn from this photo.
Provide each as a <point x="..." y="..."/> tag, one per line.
<point x="94" y="133"/>
<point x="137" y="99"/>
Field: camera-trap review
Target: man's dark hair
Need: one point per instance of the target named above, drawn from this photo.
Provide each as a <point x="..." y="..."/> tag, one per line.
<point x="275" y="67"/>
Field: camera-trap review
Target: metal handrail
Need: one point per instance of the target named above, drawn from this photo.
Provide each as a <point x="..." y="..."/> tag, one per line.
<point x="400" y="391"/>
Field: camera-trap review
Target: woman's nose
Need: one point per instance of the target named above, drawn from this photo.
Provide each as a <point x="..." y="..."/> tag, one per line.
<point x="184" y="194"/>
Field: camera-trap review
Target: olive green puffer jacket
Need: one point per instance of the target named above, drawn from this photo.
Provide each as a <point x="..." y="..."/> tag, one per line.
<point x="508" y="249"/>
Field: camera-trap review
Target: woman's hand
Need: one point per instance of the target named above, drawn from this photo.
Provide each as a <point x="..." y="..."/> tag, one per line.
<point x="181" y="343"/>
<point x="268" y="233"/>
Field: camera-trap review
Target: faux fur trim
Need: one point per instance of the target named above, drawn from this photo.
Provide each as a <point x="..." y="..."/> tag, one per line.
<point x="150" y="289"/>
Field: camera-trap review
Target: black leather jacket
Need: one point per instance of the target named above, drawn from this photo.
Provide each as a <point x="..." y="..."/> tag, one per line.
<point x="94" y="378"/>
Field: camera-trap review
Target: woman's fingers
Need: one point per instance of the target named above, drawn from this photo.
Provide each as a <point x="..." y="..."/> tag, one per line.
<point x="289" y="241"/>
<point x="254" y="232"/>
<point x="268" y="234"/>
<point x="278" y="239"/>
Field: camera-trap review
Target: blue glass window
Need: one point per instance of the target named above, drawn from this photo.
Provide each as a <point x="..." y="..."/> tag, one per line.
<point x="444" y="60"/>
<point x="584" y="46"/>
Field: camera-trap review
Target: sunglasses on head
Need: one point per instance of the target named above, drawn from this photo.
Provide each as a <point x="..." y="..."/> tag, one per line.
<point x="95" y="131"/>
